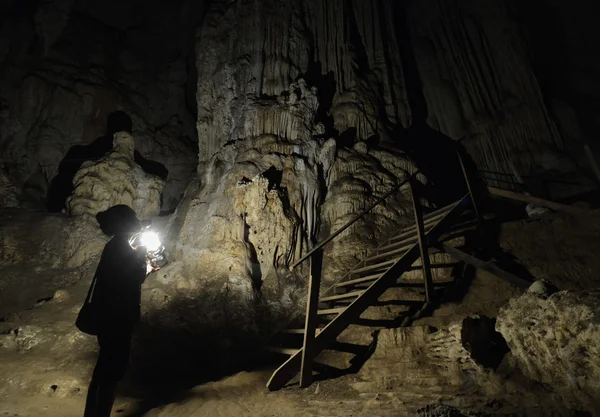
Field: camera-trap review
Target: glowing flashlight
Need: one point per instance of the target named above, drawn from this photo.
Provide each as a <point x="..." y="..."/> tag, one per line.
<point x="150" y="240"/>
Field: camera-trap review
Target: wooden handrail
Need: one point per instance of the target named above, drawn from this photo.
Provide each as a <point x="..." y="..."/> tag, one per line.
<point x="354" y="220"/>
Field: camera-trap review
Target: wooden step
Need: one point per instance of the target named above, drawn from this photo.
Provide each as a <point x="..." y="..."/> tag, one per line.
<point x="400" y="251"/>
<point x="297" y="331"/>
<point x="282" y="351"/>
<point x="409" y="241"/>
<point x="429" y="220"/>
<point x="345" y="296"/>
<point x="412" y="230"/>
<point x="357" y="281"/>
<point x="374" y="267"/>
<point x="330" y="311"/>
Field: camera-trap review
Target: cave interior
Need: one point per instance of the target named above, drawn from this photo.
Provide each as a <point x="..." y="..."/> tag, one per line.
<point x="365" y="207"/>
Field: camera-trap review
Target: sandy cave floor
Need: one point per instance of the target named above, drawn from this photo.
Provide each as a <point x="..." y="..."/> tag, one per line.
<point x="243" y="394"/>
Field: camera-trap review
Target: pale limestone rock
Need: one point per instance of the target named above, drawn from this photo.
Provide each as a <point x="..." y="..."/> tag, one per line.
<point x="116" y="179"/>
<point x="554" y="340"/>
<point x="60" y="296"/>
<point x="357" y="179"/>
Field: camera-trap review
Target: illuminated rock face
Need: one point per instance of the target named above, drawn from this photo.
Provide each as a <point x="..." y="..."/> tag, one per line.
<point x="116" y="179"/>
<point x="554" y="340"/>
<point x="269" y="103"/>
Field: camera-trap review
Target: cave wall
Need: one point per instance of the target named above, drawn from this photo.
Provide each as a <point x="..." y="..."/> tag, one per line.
<point x="279" y="83"/>
<point x="479" y="84"/>
<point x="347" y="49"/>
<point x="563" y="53"/>
<point x="66" y="65"/>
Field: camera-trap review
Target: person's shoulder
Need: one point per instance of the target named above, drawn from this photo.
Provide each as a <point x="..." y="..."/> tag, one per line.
<point x="117" y="243"/>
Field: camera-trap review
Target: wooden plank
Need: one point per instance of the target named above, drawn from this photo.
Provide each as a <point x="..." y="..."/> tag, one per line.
<point x="429" y="220"/>
<point x="310" y="325"/>
<point x="341" y="296"/>
<point x="297" y="331"/>
<point x="425" y="262"/>
<point x="388" y="254"/>
<point x="486" y="266"/>
<point x="539" y="201"/>
<point x="374" y="267"/>
<point x="330" y="311"/>
<point x="470" y="189"/>
<point x="282" y="350"/>
<point x="358" y="280"/>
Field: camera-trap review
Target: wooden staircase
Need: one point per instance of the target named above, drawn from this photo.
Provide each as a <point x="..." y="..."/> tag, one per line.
<point x="343" y="303"/>
<point x="330" y="313"/>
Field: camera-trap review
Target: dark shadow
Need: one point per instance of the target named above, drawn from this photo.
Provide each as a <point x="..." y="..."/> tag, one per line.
<point x="61" y="185"/>
<point x="326" y="86"/>
<point x="446" y="163"/>
<point x="486" y="346"/>
<point x="347" y="138"/>
<point x="178" y="348"/>
<point x="255" y="272"/>
<point x="361" y="353"/>
<point x="435" y="154"/>
<point x="274" y="176"/>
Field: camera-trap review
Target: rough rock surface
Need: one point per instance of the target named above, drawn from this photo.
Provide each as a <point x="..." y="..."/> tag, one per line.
<point x="557" y="247"/>
<point x="116" y="179"/>
<point x="264" y="200"/>
<point x="554" y="340"/>
<point x="241" y="60"/>
<point x="41" y="253"/>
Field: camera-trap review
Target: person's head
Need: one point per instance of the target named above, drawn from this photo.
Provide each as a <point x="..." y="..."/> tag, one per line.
<point x="118" y="220"/>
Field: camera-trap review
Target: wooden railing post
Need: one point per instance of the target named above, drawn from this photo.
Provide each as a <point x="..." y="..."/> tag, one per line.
<point x="470" y="189"/>
<point x="310" y="325"/>
<point x="422" y="242"/>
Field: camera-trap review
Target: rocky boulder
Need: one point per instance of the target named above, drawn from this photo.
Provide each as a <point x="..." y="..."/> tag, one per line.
<point x="116" y="179"/>
<point x="554" y="339"/>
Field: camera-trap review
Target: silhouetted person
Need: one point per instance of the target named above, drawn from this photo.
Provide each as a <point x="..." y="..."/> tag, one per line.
<point x="116" y="302"/>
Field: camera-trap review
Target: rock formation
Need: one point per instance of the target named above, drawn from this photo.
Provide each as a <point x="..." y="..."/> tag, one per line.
<point x="554" y="340"/>
<point x="67" y="65"/>
<point x="116" y="179"/>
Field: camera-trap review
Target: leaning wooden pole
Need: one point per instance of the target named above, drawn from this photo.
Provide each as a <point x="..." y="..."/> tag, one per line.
<point x="470" y="190"/>
<point x="310" y="325"/>
<point x="422" y="242"/>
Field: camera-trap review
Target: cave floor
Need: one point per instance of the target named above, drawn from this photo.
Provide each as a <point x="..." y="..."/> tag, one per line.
<point x="243" y="394"/>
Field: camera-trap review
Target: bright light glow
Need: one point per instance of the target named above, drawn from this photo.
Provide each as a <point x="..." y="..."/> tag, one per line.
<point x="151" y="241"/>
